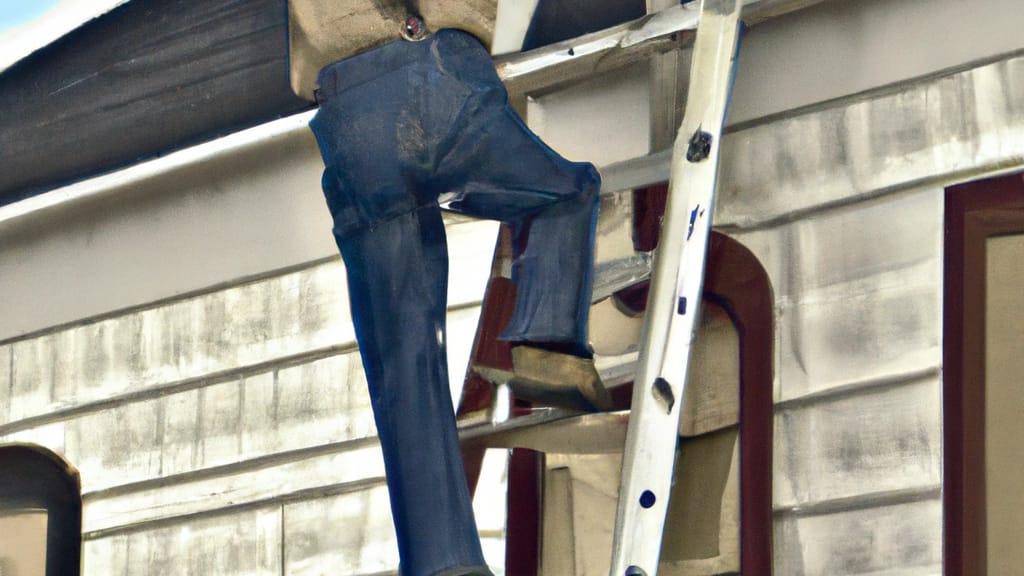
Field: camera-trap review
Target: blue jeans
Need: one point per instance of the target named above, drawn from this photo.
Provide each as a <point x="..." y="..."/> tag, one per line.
<point x="401" y="127"/>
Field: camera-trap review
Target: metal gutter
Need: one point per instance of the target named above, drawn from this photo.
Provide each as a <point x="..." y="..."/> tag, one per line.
<point x="132" y="176"/>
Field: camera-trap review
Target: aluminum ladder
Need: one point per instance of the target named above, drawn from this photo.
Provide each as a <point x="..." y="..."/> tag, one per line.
<point x="651" y="426"/>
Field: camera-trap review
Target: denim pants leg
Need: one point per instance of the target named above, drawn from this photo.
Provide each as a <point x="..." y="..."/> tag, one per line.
<point x="400" y="127"/>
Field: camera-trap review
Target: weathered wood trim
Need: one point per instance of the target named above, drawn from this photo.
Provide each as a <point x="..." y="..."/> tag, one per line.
<point x="974" y="212"/>
<point x="736" y="280"/>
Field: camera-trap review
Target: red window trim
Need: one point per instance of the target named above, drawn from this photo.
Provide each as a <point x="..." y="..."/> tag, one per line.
<point x="736" y="281"/>
<point x="975" y="211"/>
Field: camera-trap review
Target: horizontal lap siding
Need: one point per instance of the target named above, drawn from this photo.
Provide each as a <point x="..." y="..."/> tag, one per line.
<point x="232" y="544"/>
<point x="857" y="292"/>
<point x="858" y="391"/>
<point x="857" y="460"/>
<point x="228" y="432"/>
<point x="881" y="441"/>
<point x="292" y="408"/>
<point x="838" y="204"/>
<point x="832" y="202"/>
<point x="219" y="335"/>
<point x="6" y="381"/>
<point x="321" y="538"/>
<point x="182" y="343"/>
<point x="903" y="539"/>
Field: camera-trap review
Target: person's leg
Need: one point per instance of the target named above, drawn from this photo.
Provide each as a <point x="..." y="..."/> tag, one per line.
<point x="397" y="277"/>
<point x="397" y="127"/>
<point x="391" y="237"/>
<point x="431" y="119"/>
<point x="494" y="167"/>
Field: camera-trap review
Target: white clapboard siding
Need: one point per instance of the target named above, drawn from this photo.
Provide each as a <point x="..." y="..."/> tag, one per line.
<point x="903" y="539"/>
<point x="858" y="292"/>
<point x="222" y="432"/>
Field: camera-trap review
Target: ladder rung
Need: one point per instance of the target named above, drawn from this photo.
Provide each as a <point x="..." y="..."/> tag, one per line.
<point x="636" y="172"/>
<point x="554" y="65"/>
<point x="553" y="430"/>
<point x="579" y="58"/>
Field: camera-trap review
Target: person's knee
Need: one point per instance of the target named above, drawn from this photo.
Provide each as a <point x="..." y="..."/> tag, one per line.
<point x="588" y="183"/>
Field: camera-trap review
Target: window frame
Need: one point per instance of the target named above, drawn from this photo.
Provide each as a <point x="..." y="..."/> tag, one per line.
<point x="736" y="281"/>
<point x="32" y="476"/>
<point x="975" y="211"/>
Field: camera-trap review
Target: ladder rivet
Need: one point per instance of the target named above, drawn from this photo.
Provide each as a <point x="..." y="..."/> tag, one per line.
<point x="647" y="499"/>
<point x="700" y="146"/>
<point x="663" y="393"/>
<point x="635" y="571"/>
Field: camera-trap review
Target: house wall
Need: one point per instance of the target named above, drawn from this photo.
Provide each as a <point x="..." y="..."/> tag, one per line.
<point x="851" y="46"/>
<point x="153" y="239"/>
<point x="219" y="430"/>
<point x="181" y="333"/>
<point x="838" y="190"/>
<point x="850" y="229"/>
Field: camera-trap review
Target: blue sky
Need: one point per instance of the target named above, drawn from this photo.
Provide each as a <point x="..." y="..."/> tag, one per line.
<point x="28" y="25"/>
<point x="14" y="12"/>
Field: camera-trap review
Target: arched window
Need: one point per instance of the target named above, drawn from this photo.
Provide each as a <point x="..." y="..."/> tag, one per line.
<point x="40" y="513"/>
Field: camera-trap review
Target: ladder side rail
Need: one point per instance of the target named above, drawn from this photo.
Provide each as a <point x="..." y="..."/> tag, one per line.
<point x="674" y="301"/>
